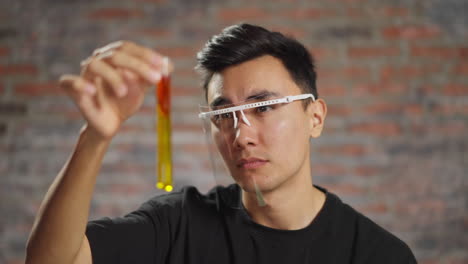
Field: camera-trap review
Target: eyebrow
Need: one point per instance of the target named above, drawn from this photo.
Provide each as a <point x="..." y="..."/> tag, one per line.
<point x="261" y="95"/>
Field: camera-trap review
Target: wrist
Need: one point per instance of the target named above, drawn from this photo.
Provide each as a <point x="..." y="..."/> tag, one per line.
<point x="90" y="135"/>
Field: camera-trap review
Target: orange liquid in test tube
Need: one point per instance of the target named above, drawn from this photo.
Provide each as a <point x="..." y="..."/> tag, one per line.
<point x="163" y="133"/>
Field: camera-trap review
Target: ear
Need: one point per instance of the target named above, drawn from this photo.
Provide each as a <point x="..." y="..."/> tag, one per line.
<point x="316" y="113"/>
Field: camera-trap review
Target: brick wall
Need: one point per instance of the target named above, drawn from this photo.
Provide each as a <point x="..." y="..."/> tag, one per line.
<point x="394" y="73"/>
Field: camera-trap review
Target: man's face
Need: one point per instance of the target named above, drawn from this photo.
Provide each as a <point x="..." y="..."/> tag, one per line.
<point x="274" y="150"/>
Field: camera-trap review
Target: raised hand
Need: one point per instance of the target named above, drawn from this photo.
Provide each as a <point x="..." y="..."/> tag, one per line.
<point x="112" y="84"/>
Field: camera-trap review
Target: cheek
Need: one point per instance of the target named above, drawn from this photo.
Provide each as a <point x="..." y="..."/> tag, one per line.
<point x="286" y="139"/>
<point x="221" y="144"/>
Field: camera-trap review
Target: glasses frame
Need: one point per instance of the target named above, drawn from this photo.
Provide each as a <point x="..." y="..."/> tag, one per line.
<point x="286" y="99"/>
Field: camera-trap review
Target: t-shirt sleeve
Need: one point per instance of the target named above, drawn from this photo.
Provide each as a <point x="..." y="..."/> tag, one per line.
<point x="139" y="237"/>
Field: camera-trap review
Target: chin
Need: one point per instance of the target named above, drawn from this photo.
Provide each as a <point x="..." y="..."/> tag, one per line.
<point x="249" y="185"/>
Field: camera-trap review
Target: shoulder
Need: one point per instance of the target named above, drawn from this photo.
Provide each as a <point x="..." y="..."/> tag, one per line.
<point x="371" y="242"/>
<point x="189" y="200"/>
<point x="188" y="196"/>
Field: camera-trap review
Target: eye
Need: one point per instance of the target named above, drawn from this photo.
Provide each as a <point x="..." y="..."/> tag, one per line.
<point x="262" y="109"/>
<point x="226" y="115"/>
<point x="220" y="117"/>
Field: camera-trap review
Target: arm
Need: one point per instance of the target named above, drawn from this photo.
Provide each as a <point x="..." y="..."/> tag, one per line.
<point x="109" y="90"/>
<point x="58" y="232"/>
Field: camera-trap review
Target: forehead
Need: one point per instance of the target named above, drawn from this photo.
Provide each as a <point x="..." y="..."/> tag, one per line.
<point x="260" y="75"/>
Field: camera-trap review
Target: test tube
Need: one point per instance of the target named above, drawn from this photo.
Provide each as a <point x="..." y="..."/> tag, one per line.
<point x="163" y="133"/>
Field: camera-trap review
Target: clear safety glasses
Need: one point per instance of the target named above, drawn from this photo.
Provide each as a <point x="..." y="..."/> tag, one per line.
<point x="222" y="127"/>
<point x="225" y="116"/>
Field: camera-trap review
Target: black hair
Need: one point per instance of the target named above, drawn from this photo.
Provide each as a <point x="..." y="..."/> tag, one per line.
<point x="239" y="43"/>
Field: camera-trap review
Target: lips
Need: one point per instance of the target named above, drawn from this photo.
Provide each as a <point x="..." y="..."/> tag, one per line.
<point x="251" y="163"/>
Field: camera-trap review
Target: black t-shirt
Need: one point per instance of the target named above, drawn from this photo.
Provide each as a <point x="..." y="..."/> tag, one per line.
<point x="189" y="227"/>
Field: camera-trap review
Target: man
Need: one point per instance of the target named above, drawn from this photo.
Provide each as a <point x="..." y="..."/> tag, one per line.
<point x="265" y="145"/>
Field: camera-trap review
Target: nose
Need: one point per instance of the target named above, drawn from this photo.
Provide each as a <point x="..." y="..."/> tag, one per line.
<point x="245" y="134"/>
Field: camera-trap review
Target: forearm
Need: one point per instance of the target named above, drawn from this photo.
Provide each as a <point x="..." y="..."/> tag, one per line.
<point x="61" y="222"/>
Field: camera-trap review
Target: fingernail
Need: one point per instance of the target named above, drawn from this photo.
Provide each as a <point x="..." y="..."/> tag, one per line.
<point x="156" y="60"/>
<point x="90" y="88"/>
<point x="122" y="91"/>
<point x="165" y="66"/>
<point x="155" y="76"/>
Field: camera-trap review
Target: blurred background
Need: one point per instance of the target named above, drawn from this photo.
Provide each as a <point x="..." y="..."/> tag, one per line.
<point x="394" y="73"/>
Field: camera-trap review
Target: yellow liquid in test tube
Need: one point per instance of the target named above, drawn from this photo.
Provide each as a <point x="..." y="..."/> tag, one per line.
<point x="163" y="133"/>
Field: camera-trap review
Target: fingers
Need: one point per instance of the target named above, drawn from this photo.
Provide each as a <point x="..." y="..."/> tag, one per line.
<point x="109" y="61"/>
<point x="81" y="90"/>
<point x="143" y="53"/>
<point x="109" y="74"/>
<point x="73" y="84"/>
<point x="140" y="67"/>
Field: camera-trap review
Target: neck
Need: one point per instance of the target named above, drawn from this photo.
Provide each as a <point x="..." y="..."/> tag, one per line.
<point x="291" y="207"/>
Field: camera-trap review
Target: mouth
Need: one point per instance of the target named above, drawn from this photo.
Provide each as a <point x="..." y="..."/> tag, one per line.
<point x="251" y="163"/>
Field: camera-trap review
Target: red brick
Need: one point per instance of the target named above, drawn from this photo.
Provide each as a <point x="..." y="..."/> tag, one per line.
<point x="345" y="188"/>
<point x="408" y="72"/>
<point x="185" y="91"/>
<point x="331" y="90"/>
<point x="461" y="69"/>
<point x="15" y="260"/>
<point x="394" y="88"/>
<point x="452" y="128"/>
<point x="184" y="166"/>
<point x="320" y="53"/>
<point x="362" y="52"/>
<point x="411" y="32"/>
<point x="395" y="11"/>
<point x="187" y="127"/>
<point x="377" y="89"/>
<point x="426" y="206"/>
<point x="177" y="52"/>
<point x="413" y="109"/>
<point x="115" y="13"/>
<point x="194" y="148"/>
<point x="128" y="188"/>
<point x="153" y="1"/>
<point x="455" y="89"/>
<point x="346" y="150"/>
<point x="366" y="89"/>
<point x="126" y="128"/>
<point x="289" y="31"/>
<point x="236" y="14"/>
<point x="366" y="171"/>
<point x="345" y="72"/>
<point x="359" y="12"/>
<point x="438" y="52"/>
<point x="186" y="73"/>
<point x="155" y="32"/>
<point x="450" y="109"/>
<point x="393" y="108"/>
<point x="355" y="72"/>
<point x="37" y="89"/>
<point x="355" y="12"/>
<point x="4" y="51"/>
<point x="429" y="261"/>
<point x="347" y="1"/>
<point x="111" y="209"/>
<point x="375" y="208"/>
<point x="68" y="112"/>
<point x="308" y="13"/>
<point x="18" y="69"/>
<point x="382" y="108"/>
<point x="328" y="169"/>
<point x="463" y="53"/>
<point x="457" y="260"/>
<point x="377" y="128"/>
<point x="339" y="111"/>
